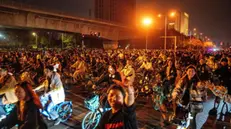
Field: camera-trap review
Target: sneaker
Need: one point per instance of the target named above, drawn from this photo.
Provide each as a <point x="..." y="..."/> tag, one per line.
<point x="57" y="122"/>
<point x="2" y="117"/>
<point x="49" y="118"/>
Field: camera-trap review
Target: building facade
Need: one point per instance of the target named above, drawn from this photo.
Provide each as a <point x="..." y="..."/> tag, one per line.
<point x="119" y="11"/>
<point x="180" y="22"/>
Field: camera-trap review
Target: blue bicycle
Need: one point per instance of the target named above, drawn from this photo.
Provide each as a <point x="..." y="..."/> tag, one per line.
<point x="64" y="110"/>
<point x="92" y="118"/>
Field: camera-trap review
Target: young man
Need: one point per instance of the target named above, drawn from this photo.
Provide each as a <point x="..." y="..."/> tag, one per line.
<point x="122" y="114"/>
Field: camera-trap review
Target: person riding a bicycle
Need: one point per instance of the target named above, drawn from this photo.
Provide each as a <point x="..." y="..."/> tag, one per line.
<point x="54" y="94"/>
<point x="189" y="94"/>
<point x="109" y="77"/>
<point x="7" y="95"/>
<point x="80" y="69"/>
<point x="128" y="71"/>
<point x="148" y="69"/>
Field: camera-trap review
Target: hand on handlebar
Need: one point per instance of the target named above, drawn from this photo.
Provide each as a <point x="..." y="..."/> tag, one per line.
<point x="45" y="95"/>
<point x="94" y="87"/>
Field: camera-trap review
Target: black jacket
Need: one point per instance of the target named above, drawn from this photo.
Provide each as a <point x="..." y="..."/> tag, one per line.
<point x="33" y="119"/>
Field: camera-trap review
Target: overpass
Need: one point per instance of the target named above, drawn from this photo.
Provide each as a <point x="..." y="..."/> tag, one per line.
<point x="13" y="15"/>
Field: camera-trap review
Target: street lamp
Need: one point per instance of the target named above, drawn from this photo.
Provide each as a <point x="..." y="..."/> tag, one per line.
<point x="147" y="24"/>
<point x="36" y="39"/>
<point x="172" y="14"/>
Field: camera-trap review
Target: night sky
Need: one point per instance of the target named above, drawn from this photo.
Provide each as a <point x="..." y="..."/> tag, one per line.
<point x="211" y="17"/>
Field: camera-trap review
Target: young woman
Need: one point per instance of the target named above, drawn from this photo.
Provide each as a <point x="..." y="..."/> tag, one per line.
<point x="53" y="95"/>
<point x="26" y="113"/>
<point x="189" y="91"/>
<point x="159" y="96"/>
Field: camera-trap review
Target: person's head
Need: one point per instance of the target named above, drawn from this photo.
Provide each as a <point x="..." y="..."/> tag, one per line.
<point x="170" y="62"/>
<point x="112" y="69"/>
<point x="24" y="76"/>
<point x="202" y="61"/>
<point x="191" y="71"/>
<point x="158" y="77"/>
<point x="49" y="70"/>
<point x="129" y="62"/>
<point x="224" y="61"/>
<point x="116" y="95"/>
<point x="24" y="92"/>
<point x="3" y="72"/>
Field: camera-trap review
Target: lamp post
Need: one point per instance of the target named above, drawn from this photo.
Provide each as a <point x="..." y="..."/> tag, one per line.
<point x="36" y="39"/>
<point x="172" y="14"/>
<point x="147" y="23"/>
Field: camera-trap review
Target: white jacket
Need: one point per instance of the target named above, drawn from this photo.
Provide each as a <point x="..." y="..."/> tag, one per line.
<point x="57" y="91"/>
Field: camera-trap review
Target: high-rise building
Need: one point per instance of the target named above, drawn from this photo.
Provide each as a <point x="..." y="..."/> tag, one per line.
<point x="184" y="24"/>
<point x="120" y="11"/>
<point x="180" y="22"/>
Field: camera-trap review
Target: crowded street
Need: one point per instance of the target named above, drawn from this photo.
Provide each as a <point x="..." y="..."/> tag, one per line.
<point x="115" y="64"/>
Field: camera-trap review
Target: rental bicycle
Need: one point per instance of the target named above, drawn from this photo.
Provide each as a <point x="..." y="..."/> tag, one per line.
<point x="93" y="103"/>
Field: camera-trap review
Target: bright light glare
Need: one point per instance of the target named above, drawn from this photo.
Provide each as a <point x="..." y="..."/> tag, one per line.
<point x="159" y="15"/>
<point x="147" y="21"/>
<point x="1" y="35"/>
<point x="34" y="34"/>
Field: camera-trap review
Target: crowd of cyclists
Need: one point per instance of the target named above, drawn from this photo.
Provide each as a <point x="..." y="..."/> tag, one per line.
<point x="178" y="80"/>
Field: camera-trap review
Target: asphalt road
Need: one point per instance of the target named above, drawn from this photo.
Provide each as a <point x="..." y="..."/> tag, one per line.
<point x="147" y="117"/>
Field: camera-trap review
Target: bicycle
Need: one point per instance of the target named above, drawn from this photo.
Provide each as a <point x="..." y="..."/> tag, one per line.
<point x="64" y="109"/>
<point x="93" y="103"/>
<point x="7" y="108"/>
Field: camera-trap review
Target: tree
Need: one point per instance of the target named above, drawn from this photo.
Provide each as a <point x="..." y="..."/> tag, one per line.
<point x="67" y="39"/>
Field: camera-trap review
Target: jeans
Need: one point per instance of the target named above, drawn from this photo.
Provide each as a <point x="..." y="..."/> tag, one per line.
<point x="49" y="108"/>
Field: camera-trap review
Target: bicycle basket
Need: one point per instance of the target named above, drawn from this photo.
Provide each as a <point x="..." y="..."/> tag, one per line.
<point x="92" y="103"/>
<point x="8" y="108"/>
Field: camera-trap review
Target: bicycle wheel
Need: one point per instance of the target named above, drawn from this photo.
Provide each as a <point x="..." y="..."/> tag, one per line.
<point x="65" y="110"/>
<point x="91" y="120"/>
